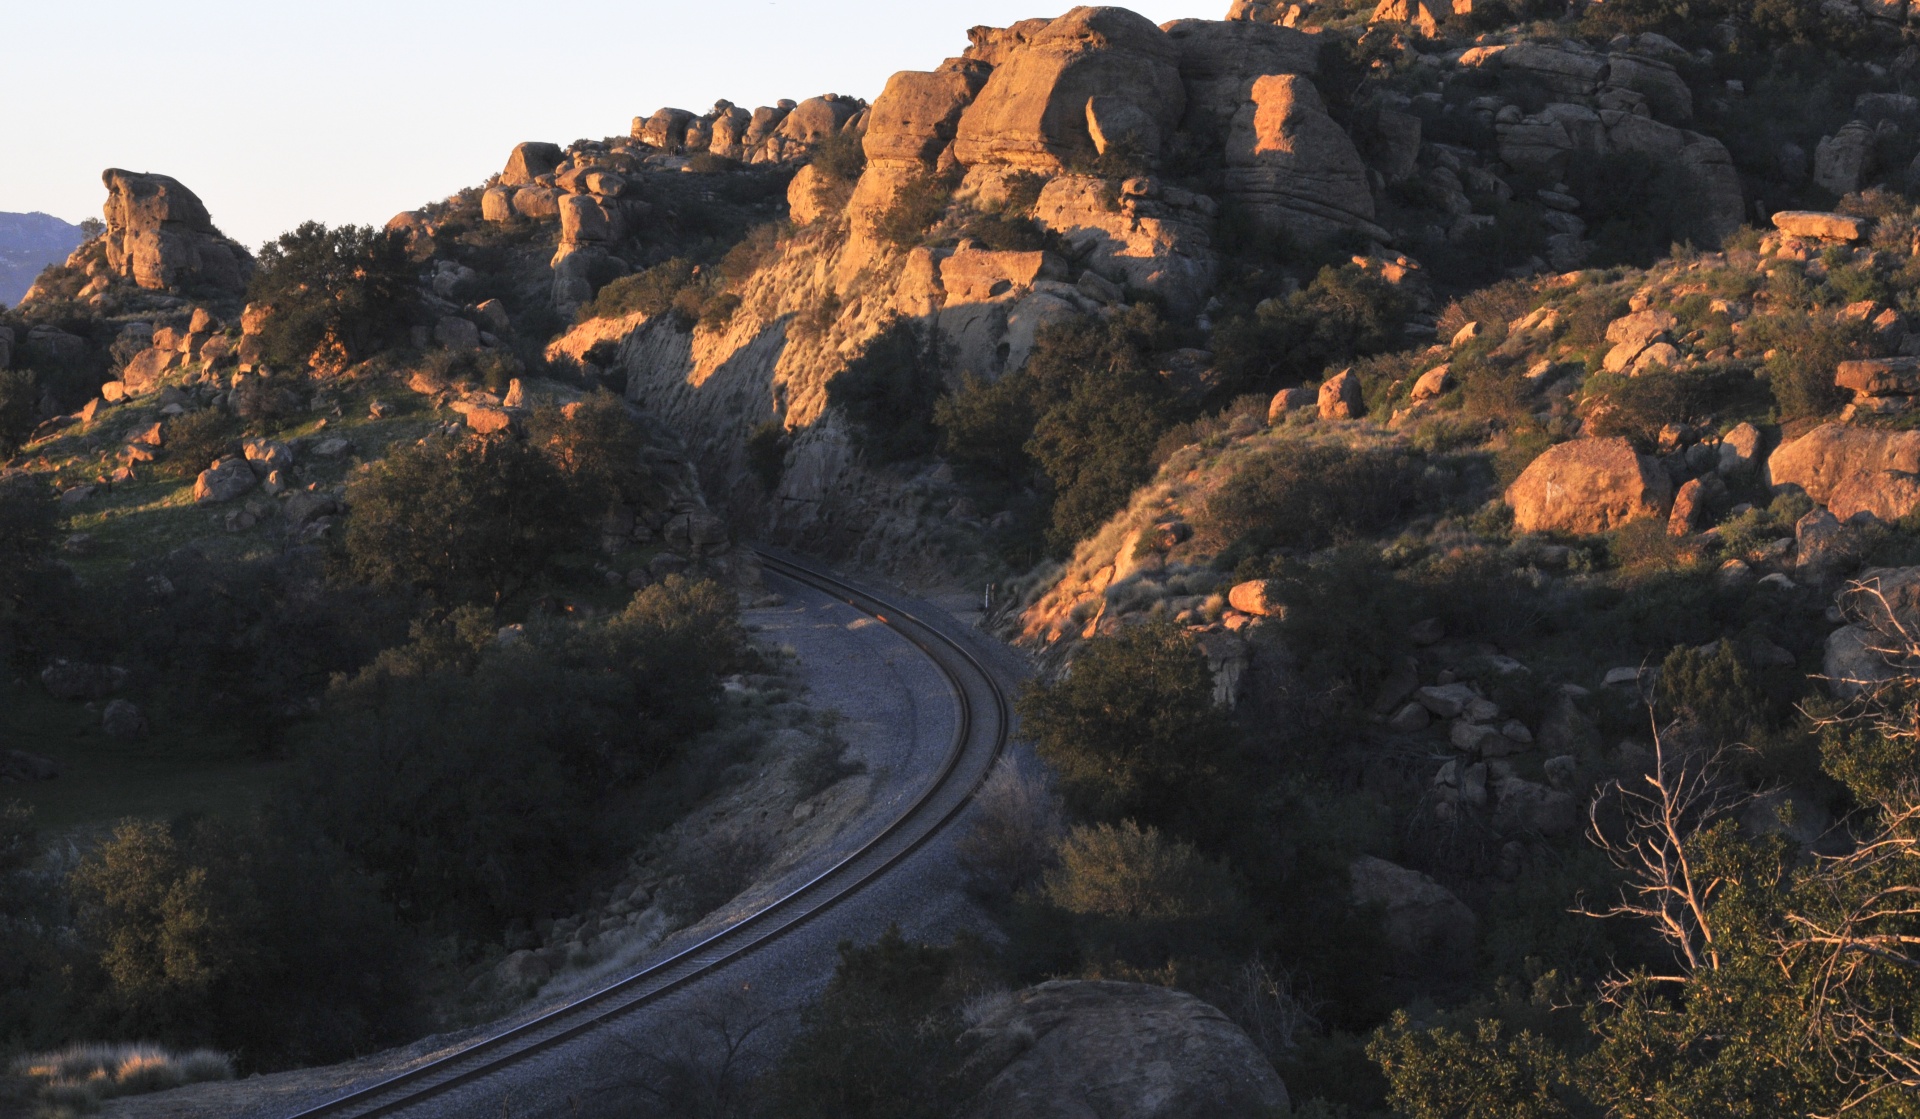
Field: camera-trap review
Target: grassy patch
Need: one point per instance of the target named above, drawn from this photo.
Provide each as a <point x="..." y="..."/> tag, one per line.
<point x="104" y="779"/>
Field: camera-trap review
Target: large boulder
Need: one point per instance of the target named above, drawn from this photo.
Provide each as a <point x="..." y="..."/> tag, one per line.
<point x="1589" y="485"/>
<point x="1220" y="61"/>
<point x="1423" y="921"/>
<point x="160" y="236"/>
<point x="529" y="161"/>
<point x="1032" y="112"/>
<point x="1843" y="160"/>
<point x="806" y="126"/>
<point x="1076" y="1049"/>
<point x="223" y="481"/>
<point x="1820" y="226"/>
<point x="1292" y="167"/>
<point x="1883" y="609"/>
<point x="1853" y="469"/>
<point x="915" y="117"/>
<point x="666" y="129"/>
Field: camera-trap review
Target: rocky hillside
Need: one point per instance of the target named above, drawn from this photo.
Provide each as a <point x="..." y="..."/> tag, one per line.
<point x="1428" y="450"/>
<point x="28" y="243"/>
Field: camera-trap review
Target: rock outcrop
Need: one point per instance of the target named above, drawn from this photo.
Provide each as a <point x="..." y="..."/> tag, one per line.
<point x="1033" y="112"/>
<point x="1882" y="608"/>
<point x="160" y="236"/>
<point x="1068" y="1050"/>
<point x="1853" y="469"/>
<point x="1424" y="923"/>
<point x="1293" y="167"/>
<point x="1589" y="485"/>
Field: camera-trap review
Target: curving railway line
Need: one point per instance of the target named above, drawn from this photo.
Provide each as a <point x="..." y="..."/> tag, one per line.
<point x="982" y="727"/>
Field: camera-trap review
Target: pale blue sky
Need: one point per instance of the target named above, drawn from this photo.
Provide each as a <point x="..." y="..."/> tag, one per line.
<point x="352" y="110"/>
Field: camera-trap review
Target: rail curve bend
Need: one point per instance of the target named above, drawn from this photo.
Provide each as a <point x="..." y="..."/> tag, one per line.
<point x="983" y="725"/>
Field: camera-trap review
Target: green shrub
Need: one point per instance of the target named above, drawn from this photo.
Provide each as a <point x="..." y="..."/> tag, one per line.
<point x="889" y="392"/>
<point x="1306" y="495"/>
<point x="202" y="938"/>
<point x="880" y="1042"/>
<point x="842" y="155"/>
<point x="1345" y="313"/>
<point x="1140" y="900"/>
<point x="916" y="206"/>
<point x="652" y="292"/>
<point x="767" y="447"/>
<point x="198" y="439"/>
<point x="467" y="520"/>
<point x="598" y="447"/>
<point x="468" y="772"/>
<point x="1806" y="349"/>
<point x="336" y="295"/>
<point x="1133" y="730"/>
<point x="1639" y="406"/>
<point x="986" y="424"/>
<point x="19" y="398"/>
<point x="1441" y="1073"/>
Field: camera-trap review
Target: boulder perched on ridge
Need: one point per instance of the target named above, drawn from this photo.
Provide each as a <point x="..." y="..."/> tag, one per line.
<point x="1032" y="112"/>
<point x="160" y="236"/>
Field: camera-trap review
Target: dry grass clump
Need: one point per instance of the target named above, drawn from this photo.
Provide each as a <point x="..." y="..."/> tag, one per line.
<point x="81" y="1077"/>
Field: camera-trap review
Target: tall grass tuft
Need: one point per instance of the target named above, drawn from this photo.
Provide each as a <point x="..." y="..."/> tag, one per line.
<point x="80" y="1077"/>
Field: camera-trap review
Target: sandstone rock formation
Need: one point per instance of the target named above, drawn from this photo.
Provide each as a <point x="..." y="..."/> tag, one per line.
<point x="1069" y="1050"/>
<point x="1820" y="226"/>
<point x="1589" y="485"/>
<point x="1295" y="169"/>
<point x="1852" y="469"/>
<point x="160" y="236"/>
<point x="1032" y="112"/>
<point x="1220" y="61"/>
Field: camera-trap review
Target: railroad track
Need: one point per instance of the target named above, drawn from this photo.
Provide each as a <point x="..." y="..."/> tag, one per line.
<point x="981" y="734"/>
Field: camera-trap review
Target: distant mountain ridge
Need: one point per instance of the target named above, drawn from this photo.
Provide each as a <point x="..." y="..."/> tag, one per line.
<point x="28" y="243"/>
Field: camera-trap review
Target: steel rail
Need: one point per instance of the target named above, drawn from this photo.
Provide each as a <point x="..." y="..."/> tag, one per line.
<point x="906" y="833"/>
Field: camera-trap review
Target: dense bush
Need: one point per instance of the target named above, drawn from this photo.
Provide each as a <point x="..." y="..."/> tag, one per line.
<point x="890" y="391"/>
<point x="673" y="285"/>
<point x="19" y="399"/>
<point x="198" y="439"/>
<point x="916" y="206"/>
<point x="1133" y="730"/>
<point x="880" y="1043"/>
<point x="1140" y="900"/>
<point x="464" y="520"/>
<point x="1806" y="348"/>
<point x="842" y="156"/>
<point x="1344" y="313"/>
<point x="234" y="644"/>
<point x="1081" y="419"/>
<point x="598" y="447"/>
<point x="30" y="583"/>
<point x="337" y="295"/>
<point x="467" y="771"/>
<point x="1638" y="407"/>
<point x="1303" y="495"/>
<point x="257" y="939"/>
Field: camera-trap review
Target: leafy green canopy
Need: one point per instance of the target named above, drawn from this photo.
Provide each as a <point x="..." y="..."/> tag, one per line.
<point x="1133" y="729"/>
<point x="336" y="295"/>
